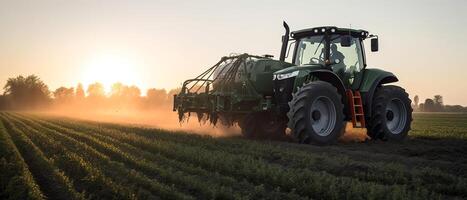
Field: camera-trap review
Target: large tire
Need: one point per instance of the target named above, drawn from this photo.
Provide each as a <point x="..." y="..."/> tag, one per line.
<point x="263" y="125"/>
<point x="316" y="113"/>
<point x="391" y="114"/>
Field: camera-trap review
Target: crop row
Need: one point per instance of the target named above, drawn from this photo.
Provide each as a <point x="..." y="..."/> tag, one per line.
<point x="444" y="153"/>
<point x="16" y="181"/>
<point x="396" y="169"/>
<point x="386" y="173"/>
<point x="448" y="126"/>
<point x="106" y="175"/>
<point x="314" y="183"/>
<point x="87" y="179"/>
<point x="89" y="160"/>
<point x="201" y="183"/>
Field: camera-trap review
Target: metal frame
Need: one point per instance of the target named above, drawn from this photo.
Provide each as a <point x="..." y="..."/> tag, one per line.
<point x="224" y="98"/>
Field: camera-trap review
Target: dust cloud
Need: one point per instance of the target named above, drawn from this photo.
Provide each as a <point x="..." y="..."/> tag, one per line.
<point x="166" y="119"/>
<point x="163" y="119"/>
<point x="352" y="135"/>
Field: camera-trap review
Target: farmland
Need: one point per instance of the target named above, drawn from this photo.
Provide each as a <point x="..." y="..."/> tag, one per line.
<point x="61" y="158"/>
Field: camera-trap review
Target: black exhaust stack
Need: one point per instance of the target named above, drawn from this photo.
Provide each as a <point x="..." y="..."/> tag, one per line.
<point x="285" y="42"/>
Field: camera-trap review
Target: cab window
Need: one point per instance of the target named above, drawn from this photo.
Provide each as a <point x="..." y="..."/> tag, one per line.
<point x="347" y="60"/>
<point x="310" y="51"/>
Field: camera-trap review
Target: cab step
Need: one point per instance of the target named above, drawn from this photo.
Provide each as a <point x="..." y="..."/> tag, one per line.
<point x="356" y="108"/>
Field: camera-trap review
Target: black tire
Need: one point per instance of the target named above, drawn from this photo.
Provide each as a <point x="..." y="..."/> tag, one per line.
<point x="263" y="125"/>
<point x="391" y="114"/>
<point x="305" y="117"/>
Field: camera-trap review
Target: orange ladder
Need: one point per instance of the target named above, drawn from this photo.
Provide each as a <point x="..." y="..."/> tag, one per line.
<point x="356" y="108"/>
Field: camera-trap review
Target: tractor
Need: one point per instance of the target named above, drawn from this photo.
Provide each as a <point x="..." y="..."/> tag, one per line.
<point x="325" y="84"/>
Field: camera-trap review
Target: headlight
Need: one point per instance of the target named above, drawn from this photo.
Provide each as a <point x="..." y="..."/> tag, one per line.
<point x="286" y="76"/>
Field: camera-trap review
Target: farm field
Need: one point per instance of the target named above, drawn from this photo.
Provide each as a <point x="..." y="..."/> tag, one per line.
<point x="44" y="157"/>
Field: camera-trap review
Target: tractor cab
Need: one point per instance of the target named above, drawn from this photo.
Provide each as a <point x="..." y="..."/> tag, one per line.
<point x="339" y="50"/>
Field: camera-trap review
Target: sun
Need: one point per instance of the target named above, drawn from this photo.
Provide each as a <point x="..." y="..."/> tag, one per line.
<point x="109" y="69"/>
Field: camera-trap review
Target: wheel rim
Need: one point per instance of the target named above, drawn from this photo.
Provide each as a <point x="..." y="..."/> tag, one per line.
<point x="323" y="116"/>
<point x="396" y="116"/>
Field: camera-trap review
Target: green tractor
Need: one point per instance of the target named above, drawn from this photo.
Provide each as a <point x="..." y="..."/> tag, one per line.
<point x="326" y="85"/>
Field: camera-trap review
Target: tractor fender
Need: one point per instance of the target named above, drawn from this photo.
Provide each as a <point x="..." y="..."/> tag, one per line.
<point x="329" y="76"/>
<point x="333" y="79"/>
<point x="372" y="79"/>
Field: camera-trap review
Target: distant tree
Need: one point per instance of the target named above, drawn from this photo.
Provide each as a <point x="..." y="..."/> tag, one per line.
<point x="79" y="93"/>
<point x="156" y="97"/>
<point x="96" y="90"/>
<point x="117" y="90"/>
<point x="415" y="100"/>
<point x="439" y="105"/>
<point x="96" y="99"/>
<point x="122" y="91"/>
<point x="455" y="108"/>
<point x="132" y="92"/>
<point x="64" y="95"/>
<point x="124" y="97"/>
<point x="421" y="107"/>
<point x="429" y="105"/>
<point x="438" y="99"/>
<point x="27" y="92"/>
<point x="154" y="93"/>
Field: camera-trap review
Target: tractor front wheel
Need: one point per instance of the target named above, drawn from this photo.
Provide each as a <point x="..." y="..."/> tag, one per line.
<point x="316" y="113"/>
<point x="263" y="125"/>
<point x="391" y="114"/>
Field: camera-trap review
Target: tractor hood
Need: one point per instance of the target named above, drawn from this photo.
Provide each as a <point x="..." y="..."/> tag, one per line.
<point x="294" y="71"/>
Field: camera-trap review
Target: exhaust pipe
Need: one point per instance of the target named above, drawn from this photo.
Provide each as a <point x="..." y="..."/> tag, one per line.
<point x="285" y="42"/>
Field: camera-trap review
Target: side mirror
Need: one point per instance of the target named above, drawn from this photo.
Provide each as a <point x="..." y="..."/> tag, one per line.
<point x="374" y="44"/>
<point x="346" y="41"/>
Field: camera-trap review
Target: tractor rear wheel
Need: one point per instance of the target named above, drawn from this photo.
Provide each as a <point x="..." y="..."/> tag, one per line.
<point x="263" y="125"/>
<point x="391" y="114"/>
<point x="316" y="113"/>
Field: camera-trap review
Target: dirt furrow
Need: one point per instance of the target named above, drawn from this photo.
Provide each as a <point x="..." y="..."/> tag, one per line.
<point x="116" y="171"/>
<point x="208" y="178"/>
<point x="237" y="164"/>
<point x="16" y="180"/>
<point x="51" y="181"/>
<point x="389" y="172"/>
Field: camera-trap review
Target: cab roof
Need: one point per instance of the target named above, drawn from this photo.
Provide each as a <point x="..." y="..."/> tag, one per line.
<point x="329" y="29"/>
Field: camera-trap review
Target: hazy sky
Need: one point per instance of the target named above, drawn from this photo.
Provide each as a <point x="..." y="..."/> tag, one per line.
<point x="161" y="43"/>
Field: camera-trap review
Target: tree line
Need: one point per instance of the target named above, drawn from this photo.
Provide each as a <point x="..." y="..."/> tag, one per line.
<point x="435" y="104"/>
<point x="31" y="93"/>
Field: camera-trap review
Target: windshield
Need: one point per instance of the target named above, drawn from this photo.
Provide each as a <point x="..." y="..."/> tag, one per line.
<point x="350" y="56"/>
<point x="310" y="50"/>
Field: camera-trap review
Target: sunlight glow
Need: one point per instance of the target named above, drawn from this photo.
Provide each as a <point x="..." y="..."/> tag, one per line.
<point x="109" y="69"/>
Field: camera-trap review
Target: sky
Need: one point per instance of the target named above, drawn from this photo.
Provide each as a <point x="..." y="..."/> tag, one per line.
<point x="159" y="44"/>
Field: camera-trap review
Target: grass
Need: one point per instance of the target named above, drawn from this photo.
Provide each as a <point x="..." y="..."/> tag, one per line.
<point x="53" y="158"/>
